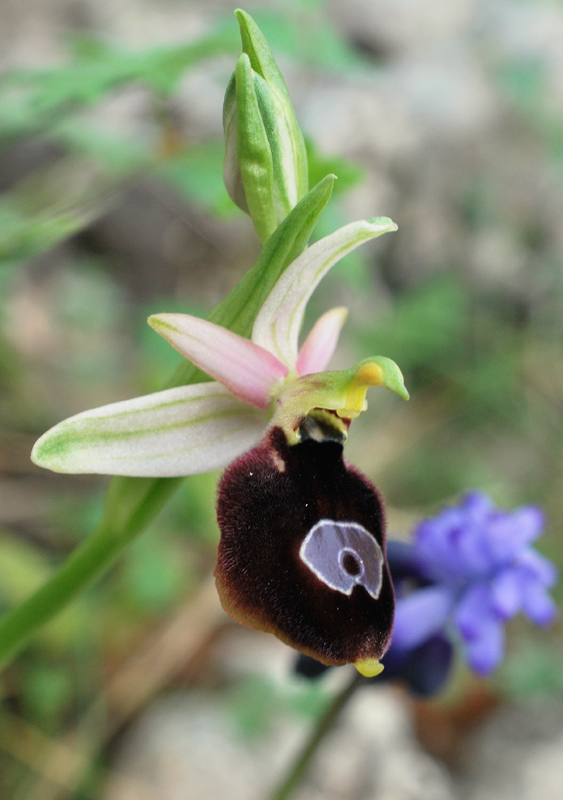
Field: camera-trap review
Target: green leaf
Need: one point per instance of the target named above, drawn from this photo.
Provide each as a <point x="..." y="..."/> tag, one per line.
<point x="98" y="69"/>
<point x="117" y="155"/>
<point x="51" y="205"/>
<point x="22" y="237"/>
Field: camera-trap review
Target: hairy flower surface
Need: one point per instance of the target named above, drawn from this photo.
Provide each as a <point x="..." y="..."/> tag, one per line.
<point x="477" y="570"/>
<point x="468" y="570"/>
<point x="302" y="551"/>
<point x="424" y="668"/>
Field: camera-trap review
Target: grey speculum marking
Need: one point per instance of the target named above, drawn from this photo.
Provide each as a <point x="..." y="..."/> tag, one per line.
<point x="343" y="555"/>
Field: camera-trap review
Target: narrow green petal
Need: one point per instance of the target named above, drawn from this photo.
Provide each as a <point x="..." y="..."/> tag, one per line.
<point x="181" y="431"/>
<point x="278" y="323"/>
<point x="239" y="309"/>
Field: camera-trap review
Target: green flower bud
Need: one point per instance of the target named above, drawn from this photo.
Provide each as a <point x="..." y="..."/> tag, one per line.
<point x="265" y="168"/>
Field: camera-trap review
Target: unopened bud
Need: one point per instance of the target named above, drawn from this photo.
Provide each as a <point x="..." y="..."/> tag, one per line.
<point x="265" y="168"/>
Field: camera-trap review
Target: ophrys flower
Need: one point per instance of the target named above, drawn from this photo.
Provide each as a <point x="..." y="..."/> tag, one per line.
<point x="302" y="551"/>
<point x="258" y="382"/>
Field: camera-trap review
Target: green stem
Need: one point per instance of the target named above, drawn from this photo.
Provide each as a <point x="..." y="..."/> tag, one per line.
<point x="131" y="504"/>
<point x="325" y="724"/>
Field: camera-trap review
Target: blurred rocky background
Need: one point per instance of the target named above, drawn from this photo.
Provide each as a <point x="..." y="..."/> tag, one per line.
<point x="447" y="117"/>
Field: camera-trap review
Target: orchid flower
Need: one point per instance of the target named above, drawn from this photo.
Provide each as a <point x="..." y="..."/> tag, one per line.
<point x="302" y="551"/>
<point x="259" y="382"/>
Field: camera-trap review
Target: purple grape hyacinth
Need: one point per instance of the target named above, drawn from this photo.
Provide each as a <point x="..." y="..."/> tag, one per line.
<point x="476" y="569"/>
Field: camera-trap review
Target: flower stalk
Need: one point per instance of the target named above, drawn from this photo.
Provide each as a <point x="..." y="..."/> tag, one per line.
<point x="323" y="726"/>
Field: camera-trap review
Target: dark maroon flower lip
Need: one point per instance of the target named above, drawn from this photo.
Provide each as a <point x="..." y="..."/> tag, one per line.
<point x="302" y="551"/>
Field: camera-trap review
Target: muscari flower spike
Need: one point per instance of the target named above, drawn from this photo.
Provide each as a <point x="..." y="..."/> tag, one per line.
<point x="302" y="551"/>
<point x="476" y="570"/>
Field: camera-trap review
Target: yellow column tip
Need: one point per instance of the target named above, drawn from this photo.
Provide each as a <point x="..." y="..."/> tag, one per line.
<point x="370" y="375"/>
<point x="368" y="667"/>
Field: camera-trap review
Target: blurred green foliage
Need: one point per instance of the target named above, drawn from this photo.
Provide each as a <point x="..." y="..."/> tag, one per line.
<point x="33" y="100"/>
<point x="255" y="703"/>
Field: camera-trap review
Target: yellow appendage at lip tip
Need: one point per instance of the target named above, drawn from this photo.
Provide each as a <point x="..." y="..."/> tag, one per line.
<point x="369" y="667"/>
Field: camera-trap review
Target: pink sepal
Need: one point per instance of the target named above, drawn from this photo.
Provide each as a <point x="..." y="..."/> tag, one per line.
<point x="320" y="344"/>
<point x="246" y="369"/>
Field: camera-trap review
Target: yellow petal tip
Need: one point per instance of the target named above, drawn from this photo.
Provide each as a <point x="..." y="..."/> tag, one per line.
<point x="369" y="667"/>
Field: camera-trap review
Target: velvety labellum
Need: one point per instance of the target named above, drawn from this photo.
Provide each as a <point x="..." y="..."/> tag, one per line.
<point x="302" y="550"/>
<point x="343" y="555"/>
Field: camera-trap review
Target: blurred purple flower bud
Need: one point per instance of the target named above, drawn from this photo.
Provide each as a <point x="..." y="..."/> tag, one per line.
<point x="424" y="669"/>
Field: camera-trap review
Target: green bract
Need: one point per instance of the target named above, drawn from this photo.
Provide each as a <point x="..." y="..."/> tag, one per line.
<point x="265" y="168"/>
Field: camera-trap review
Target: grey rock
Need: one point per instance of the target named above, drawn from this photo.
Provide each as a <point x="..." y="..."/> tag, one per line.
<point x="187" y="747"/>
<point x="516" y="755"/>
